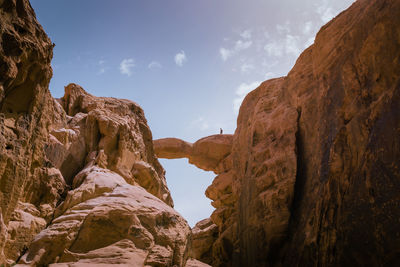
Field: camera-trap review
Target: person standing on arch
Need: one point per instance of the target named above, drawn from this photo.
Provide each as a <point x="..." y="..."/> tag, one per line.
<point x="220" y="131"/>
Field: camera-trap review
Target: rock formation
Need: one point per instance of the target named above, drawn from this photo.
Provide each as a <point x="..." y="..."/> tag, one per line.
<point x="104" y="152"/>
<point x="313" y="175"/>
<point x="310" y="177"/>
<point x="204" y="235"/>
<point x="30" y="187"/>
<point x="79" y="182"/>
<point x="205" y="153"/>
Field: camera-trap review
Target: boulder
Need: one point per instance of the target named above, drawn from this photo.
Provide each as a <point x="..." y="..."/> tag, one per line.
<point x="105" y="220"/>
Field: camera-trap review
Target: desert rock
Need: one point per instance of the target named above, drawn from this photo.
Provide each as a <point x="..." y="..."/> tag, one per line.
<point x="105" y="220"/>
<point x="315" y="154"/>
<point x="309" y="178"/>
<point x="204" y="235"/>
<point x="75" y="167"/>
<point x="312" y="175"/>
<point x="29" y="187"/>
<point x="205" y="153"/>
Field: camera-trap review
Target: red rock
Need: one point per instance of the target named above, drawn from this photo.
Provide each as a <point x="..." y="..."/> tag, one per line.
<point x="315" y="154"/>
<point x="204" y="235"/>
<point x="135" y="226"/>
<point x="172" y="148"/>
<point x="206" y="153"/>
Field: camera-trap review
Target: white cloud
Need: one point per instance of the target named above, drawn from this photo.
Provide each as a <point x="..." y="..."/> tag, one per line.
<point x="180" y="58"/>
<point x="309" y="42"/>
<point x="308" y="27"/>
<point x="292" y="45"/>
<point x="288" y="45"/>
<point x="328" y="9"/>
<point x="241" y="92"/>
<point x="154" y="65"/>
<point x="325" y="11"/>
<point x="240" y="45"/>
<point x="246" y="67"/>
<point x="201" y="123"/>
<point x="274" y="49"/>
<point x="225" y="53"/>
<point x="246" y="34"/>
<point x="283" y="29"/>
<point x="126" y="66"/>
<point x="101" y="64"/>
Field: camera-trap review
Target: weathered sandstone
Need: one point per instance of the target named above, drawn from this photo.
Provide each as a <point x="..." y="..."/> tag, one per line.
<point x="204" y="235"/>
<point x="105" y="220"/>
<point x="313" y="175"/>
<point x="205" y="153"/>
<point x="172" y="148"/>
<point x="29" y="187"/>
<point x="315" y="178"/>
<point x="79" y="182"/>
<point x="310" y="177"/>
<point x="108" y="132"/>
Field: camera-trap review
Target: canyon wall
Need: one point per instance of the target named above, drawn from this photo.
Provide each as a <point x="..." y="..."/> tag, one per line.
<point x="29" y="187"/>
<point x="310" y="177"/>
<point x="316" y="154"/>
<point x="313" y="173"/>
<point x="79" y="182"/>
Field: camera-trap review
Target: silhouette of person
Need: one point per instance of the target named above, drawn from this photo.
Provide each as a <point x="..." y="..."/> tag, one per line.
<point x="220" y="131"/>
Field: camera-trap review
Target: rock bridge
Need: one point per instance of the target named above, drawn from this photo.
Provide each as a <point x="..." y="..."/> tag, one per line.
<point x="207" y="153"/>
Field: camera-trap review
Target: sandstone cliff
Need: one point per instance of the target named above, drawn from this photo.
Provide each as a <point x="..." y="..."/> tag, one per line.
<point x="79" y="182"/>
<point x="30" y="187"/>
<point x="312" y="177"/>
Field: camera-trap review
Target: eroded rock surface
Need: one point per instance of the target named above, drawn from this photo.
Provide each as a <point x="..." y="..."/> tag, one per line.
<point x="206" y="153"/>
<point x="312" y="177"/>
<point x="111" y="133"/>
<point x="315" y="173"/>
<point x="79" y="182"/>
<point x="30" y="187"/>
<point x="204" y="235"/>
<point x="105" y="220"/>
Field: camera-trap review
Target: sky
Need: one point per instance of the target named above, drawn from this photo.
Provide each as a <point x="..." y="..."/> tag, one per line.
<point x="187" y="63"/>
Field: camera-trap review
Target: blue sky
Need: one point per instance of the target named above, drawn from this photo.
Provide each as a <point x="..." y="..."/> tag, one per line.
<point x="187" y="63"/>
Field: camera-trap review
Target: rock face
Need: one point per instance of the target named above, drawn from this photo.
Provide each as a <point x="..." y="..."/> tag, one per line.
<point x="312" y="177"/>
<point x="118" y="209"/>
<point x="105" y="220"/>
<point x="29" y="186"/>
<point x="204" y="235"/>
<point x="205" y="153"/>
<point x="315" y="173"/>
<point x="79" y="182"/>
<point x="111" y="133"/>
